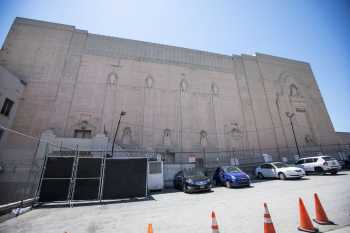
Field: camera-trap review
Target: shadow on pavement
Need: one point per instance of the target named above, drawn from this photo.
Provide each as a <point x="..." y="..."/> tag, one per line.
<point x="327" y="174"/>
<point x="89" y="203"/>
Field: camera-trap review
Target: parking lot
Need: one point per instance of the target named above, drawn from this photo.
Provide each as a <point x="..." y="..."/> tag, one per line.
<point x="237" y="210"/>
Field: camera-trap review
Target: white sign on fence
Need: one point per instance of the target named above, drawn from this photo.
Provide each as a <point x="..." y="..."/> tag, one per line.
<point x="234" y="161"/>
<point x="267" y="158"/>
<point x="192" y="159"/>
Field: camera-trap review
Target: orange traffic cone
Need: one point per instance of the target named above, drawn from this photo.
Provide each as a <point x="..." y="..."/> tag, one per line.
<point x="150" y="229"/>
<point x="268" y="225"/>
<point x="214" y="223"/>
<point x="321" y="216"/>
<point x="304" y="218"/>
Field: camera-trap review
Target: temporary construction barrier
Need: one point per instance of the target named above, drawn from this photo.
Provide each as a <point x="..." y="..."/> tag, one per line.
<point x="214" y="223"/>
<point x="268" y="225"/>
<point x="78" y="178"/>
<point x="150" y="228"/>
<point x="305" y="223"/>
<point x="321" y="216"/>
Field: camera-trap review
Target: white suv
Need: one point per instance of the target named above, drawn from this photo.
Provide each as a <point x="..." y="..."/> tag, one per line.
<point x="319" y="164"/>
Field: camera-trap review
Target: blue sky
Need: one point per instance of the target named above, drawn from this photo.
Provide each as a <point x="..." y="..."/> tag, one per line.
<point x="314" y="31"/>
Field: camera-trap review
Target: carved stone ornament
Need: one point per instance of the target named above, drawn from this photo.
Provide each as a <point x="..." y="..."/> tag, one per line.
<point x="183" y="85"/>
<point x="112" y="79"/>
<point x="203" y="138"/>
<point x="214" y="89"/>
<point x="149" y="82"/>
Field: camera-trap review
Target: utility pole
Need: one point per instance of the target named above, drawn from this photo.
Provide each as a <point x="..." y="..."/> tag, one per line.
<point x="290" y="116"/>
<point x="122" y="113"/>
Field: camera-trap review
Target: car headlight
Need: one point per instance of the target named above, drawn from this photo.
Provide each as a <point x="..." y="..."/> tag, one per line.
<point x="208" y="180"/>
<point x="190" y="181"/>
<point x="233" y="177"/>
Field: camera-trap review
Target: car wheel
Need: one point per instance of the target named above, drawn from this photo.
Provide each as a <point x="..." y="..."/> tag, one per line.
<point x="260" y="176"/>
<point x="319" y="170"/>
<point x="282" y="176"/>
<point x="228" y="184"/>
<point x="334" y="172"/>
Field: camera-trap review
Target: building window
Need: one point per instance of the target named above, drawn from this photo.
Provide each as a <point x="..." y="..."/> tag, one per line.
<point x="82" y="133"/>
<point x="6" y="107"/>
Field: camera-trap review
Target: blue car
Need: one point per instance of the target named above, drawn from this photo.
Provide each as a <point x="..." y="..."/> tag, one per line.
<point x="231" y="176"/>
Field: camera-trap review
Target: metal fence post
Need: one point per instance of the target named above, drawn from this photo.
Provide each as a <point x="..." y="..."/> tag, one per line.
<point x="43" y="168"/>
<point x="73" y="177"/>
<point x="102" y="174"/>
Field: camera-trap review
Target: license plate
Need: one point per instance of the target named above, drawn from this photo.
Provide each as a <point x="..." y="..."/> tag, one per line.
<point x="202" y="186"/>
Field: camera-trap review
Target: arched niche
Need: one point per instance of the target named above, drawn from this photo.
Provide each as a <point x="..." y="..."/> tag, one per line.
<point x="126" y="136"/>
<point x="203" y="138"/>
<point x="167" y="137"/>
<point x="289" y="85"/>
<point x="214" y="89"/>
<point x="184" y="85"/>
<point x="149" y="82"/>
<point x="112" y="79"/>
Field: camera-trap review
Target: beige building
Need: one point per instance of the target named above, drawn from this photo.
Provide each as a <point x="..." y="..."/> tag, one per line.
<point x="190" y="104"/>
<point x="175" y="99"/>
<point x="344" y="138"/>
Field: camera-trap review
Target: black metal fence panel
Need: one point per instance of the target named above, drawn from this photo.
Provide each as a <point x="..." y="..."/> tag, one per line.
<point x="125" y="178"/>
<point x="54" y="190"/>
<point x="87" y="182"/>
<point x="86" y="189"/>
<point x="89" y="167"/>
<point x="68" y="178"/>
<point x="59" y="167"/>
<point x="57" y="179"/>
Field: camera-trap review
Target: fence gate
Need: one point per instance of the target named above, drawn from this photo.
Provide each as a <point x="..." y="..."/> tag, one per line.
<point x="74" y="178"/>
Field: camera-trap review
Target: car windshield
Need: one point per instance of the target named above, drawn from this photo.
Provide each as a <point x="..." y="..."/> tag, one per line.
<point x="280" y="165"/>
<point x="231" y="169"/>
<point x="327" y="158"/>
<point x="193" y="172"/>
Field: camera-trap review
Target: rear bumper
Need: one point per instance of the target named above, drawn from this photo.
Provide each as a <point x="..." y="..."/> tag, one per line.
<point x="332" y="169"/>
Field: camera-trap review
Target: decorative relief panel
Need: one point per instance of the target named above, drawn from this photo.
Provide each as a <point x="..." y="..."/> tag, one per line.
<point x="112" y="79"/>
<point x="149" y="82"/>
<point x="183" y="85"/>
<point x="127" y="136"/>
<point x="203" y="140"/>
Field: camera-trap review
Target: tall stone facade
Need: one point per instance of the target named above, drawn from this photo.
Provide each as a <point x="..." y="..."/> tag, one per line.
<point x="11" y="89"/>
<point x="175" y="99"/>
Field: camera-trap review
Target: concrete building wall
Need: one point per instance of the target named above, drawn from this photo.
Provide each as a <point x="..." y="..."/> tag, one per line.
<point x="344" y="138"/>
<point x="175" y="98"/>
<point x="11" y="89"/>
